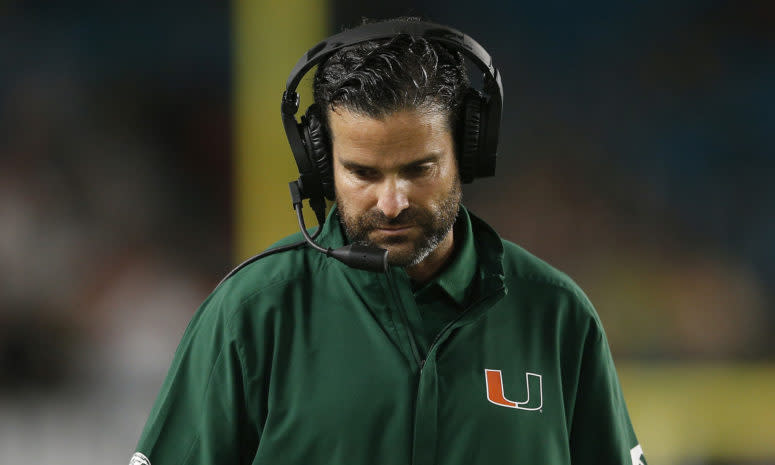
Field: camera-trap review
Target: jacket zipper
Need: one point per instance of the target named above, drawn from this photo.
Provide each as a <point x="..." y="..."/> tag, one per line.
<point x="402" y="311"/>
<point x="458" y="318"/>
<point x="436" y="341"/>
<point x="404" y="320"/>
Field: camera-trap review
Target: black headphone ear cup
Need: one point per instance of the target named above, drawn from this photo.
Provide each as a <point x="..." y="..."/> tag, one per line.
<point x="470" y="135"/>
<point x="318" y="148"/>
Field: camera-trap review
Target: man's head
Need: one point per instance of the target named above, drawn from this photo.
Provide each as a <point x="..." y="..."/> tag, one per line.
<point x="391" y="109"/>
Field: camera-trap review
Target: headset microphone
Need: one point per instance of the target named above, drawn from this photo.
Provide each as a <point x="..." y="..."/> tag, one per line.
<point x="353" y="255"/>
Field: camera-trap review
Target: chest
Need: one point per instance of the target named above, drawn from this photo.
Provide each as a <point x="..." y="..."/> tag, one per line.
<point x="343" y="379"/>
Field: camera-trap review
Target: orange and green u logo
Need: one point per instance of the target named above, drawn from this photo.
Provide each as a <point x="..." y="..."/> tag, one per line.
<point x="496" y="395"/>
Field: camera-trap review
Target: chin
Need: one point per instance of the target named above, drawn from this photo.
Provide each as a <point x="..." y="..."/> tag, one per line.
<point x="407" y="256"/>
<point x="400" y="256"/>
<point x="402" y="250"/>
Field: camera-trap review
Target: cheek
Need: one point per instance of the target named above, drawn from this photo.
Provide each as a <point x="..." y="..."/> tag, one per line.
<point x="438" y="189"/>
<point x="350" y="194"/>
<point x="341" y="185"/>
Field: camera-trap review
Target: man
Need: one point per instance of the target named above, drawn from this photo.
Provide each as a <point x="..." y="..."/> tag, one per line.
<point x="468" y="350"/>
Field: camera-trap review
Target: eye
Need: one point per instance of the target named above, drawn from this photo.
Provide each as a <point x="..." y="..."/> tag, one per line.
<point x="418" y="171"/>
<point x="365" y="174"/>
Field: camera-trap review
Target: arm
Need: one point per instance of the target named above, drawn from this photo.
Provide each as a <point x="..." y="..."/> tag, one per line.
<point x="601" y="431"/>
<point x="201" y="416"/>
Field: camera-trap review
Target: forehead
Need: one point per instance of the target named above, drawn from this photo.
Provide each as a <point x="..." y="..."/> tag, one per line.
<point x="398" y="137"/>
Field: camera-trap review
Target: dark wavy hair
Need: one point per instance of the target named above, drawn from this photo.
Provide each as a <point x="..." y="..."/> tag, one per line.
<point x="377" y="78"/>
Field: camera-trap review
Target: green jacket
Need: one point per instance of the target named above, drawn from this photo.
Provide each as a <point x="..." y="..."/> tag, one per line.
<point x="299" y="360"/>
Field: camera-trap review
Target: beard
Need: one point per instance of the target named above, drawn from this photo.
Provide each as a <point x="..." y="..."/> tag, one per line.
<point x="434" y="224"/>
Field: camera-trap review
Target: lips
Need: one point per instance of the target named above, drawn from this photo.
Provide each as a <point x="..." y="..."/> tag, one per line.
<point x="393" y="229"/>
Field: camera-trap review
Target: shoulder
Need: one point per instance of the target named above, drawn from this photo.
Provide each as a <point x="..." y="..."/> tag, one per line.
<point x="531" y="276"/>
<point x="269" y="275"/>
<point x="519" y="264"/>
<point x="520" y="267"/>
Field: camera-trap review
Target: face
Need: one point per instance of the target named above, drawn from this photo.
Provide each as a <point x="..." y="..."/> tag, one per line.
<point x="396" y="179"/>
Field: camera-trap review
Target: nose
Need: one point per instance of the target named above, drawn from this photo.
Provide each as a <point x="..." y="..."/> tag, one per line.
<point x="392" y="199"/>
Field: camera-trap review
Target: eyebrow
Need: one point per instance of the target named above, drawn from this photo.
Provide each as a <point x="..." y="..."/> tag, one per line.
<point x="352" y="165"/>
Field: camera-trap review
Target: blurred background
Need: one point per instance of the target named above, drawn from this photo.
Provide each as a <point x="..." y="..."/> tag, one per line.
<point x="142" y="156"/>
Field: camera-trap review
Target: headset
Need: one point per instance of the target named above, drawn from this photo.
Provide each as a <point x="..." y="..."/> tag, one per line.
<point x="477" y="130"/>
<point x="478" y="125"/>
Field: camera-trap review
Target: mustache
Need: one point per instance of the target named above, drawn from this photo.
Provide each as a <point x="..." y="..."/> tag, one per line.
<point x="375" y="219"/>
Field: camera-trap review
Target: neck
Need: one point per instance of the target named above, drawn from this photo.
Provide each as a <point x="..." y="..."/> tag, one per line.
<point x="427" y="269"/>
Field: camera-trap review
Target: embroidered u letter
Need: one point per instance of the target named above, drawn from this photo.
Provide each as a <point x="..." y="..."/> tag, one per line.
<point x="534" y="388"/>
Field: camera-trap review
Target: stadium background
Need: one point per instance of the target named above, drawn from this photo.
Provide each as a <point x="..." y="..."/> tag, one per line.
<point x="141" y="155"/>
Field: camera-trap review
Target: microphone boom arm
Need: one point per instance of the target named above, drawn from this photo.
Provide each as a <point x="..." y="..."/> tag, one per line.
<point x="353" y="255"/>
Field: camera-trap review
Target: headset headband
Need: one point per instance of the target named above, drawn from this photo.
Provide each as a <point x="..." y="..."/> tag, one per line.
<point x="385" y="30"/>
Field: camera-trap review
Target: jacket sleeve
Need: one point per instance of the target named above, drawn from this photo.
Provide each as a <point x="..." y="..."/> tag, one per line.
<point x="200" y="415"/>
<point x="601" y="431"/>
